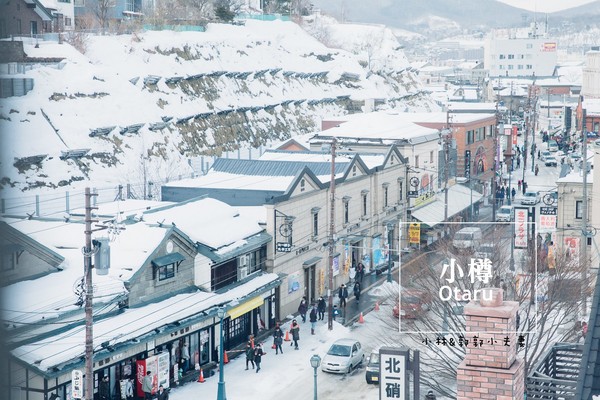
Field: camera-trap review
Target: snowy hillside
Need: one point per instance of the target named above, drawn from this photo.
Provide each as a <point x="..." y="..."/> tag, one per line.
<point x="145" y="104"/>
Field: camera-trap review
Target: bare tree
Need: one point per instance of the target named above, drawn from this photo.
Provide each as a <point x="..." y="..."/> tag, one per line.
<point x="102" y="10"/>
<point x="545" y="313"/>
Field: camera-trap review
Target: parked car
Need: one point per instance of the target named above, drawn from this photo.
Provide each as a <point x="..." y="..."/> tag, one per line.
<point x="530" y="198"/>
<point x="372" y="370"/>
<point x="550" y="162"/>
<point x="415" y="302"/>
<point x="552" y="146"/>
<point x="545" y="154"/>
<point x="504" y="214"/>
<point x="467" y="238"/>
<point x="343" y="356"/>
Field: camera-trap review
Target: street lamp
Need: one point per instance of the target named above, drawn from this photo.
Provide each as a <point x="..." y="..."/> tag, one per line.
<point x="221" y="388"/>
<point x="315" y="361"/>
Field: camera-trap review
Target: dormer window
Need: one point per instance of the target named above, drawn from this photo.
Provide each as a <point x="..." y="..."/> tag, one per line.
<point x="354" y="170"/>
<point x="302" y="185"/>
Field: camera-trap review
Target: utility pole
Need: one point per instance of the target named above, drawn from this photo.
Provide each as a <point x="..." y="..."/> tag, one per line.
<point x="446" y="162"/>
<point x="88" y="252"/>
<point x="331" y="234"/>
<point x="495" y="166"/>
<point x="584" y="217"/>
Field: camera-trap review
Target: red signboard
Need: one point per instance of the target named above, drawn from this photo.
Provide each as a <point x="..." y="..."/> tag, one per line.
<point x="521" y="231"/>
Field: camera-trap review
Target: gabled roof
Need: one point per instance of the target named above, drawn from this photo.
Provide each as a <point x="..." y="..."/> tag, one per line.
<point x="272" y="168"/>
<point x="33" y="246"/>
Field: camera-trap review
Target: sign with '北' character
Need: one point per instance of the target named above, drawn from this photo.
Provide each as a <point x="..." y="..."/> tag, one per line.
<point x="393" y="373"/>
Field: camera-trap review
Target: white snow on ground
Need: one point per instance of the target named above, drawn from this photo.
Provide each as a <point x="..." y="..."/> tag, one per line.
<point x="290" y="375"/>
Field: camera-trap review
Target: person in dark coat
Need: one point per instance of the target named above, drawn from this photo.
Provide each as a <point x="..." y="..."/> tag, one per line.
<point x="249" y="355"/>
<point x="258" y="353"/>
<point x="360" y="272"/>
<point x="343" y="295"/>
<point x="278" y="339"/>
<point x="162" y="393"/>
<point x="295" y="331"/>
<point x="321" y="306"/>
<point x="357" y="291"/>
<point x="104" y="389"/>
<point x="513" y="192"/>
<point x="313" y="319"/>
<point x="302" y="309"/>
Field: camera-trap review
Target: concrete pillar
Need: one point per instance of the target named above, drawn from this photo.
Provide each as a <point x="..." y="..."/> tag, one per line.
<point x="492" y="369"/>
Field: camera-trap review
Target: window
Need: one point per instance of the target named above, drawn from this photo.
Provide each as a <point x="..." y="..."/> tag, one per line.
<point x="520" y="66"/>
<point x="79" y="3"/>
<point x="8" y="260"/>
<point x="502" y="56"/>
<point x="511" y="66"/>
<point x="257" y="259"/>
<point x="385" y="196"/>
<point x="529" y="66"/>
<point x="520" y="56"/>
<point x="166" y="272"/>
<point x="511" y="56"/>
<point x="431" y="156"/>
<point x="315" y="223"/>
<point x="346" y="201"/>
<point x="302" y="185"/>
<point x="354" y="170"/>
<point x="400" y="190"/>
<point x="364" y="204"/>
<point x="479" y="134"/>
<point x="19" y="26"/>
<point x="67" y="21"/>
<point x="64" y="1"/>
<point x="529" y="45"/>
<point x="500" y="66"/>
<point x="579" y="209"/>
<point x="470" y="136"/>
<point x="416" y="161"/>
<point x="33" y="28"/>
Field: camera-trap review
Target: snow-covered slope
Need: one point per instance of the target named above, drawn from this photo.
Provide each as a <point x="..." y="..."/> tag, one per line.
<point x="145" y="104"/>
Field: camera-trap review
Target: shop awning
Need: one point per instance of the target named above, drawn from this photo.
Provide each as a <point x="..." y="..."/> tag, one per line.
<point x="459" y="199"/>
<point x="311" y="261"/>
<point x="245" y="307"/>
<point x="168" y="259"/>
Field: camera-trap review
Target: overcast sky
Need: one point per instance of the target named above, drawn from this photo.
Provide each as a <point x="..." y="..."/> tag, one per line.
<point x="546" y="5"/>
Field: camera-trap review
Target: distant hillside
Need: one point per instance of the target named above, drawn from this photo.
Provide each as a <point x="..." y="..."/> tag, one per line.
<point x="414" y="14"/>
<point x="143" y="107"/>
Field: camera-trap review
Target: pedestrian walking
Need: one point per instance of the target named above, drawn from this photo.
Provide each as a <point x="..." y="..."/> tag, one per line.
<point x="147" y="386"/>
<point x="537" y="169"/>
<point x="278" y="339"/>
<point x="313" y="319"/>
<point x="185" y="357"/>
<point x="335" y="312"/>
<point x="343" y="295"/>
<point x="360" y="272"/>
<point x="321" y="308"/>
<point x="518" y="162"/>
<point x="162" y="393"/>
<point x="539" y="155"/>
<point x="520" y="185"/>
<point x="295" y="331"/>
<point x="513" y="192"/>
<point x="303" y="308"/>
<point x="249" y="356"/>
<point x="258" y="353"/>
<point x="104" y="389"/>
<point x="357" y="292"/>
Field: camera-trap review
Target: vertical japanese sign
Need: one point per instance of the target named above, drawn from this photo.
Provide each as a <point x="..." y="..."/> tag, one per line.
<point x="347" y="258"/>
<point x="336" y="265"/>
<point x="515" y="131"/>
<point x="521" y="228"/>
<point x="414" y="233"/>
<point x="77" y="382"/>
<point x="393" y="373"/>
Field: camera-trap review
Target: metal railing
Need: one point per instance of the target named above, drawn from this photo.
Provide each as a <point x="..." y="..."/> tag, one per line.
<point x="555" y="375"/>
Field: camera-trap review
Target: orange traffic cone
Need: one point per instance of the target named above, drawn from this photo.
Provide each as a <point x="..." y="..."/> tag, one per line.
<point x="287" y="336"/>
<point x="376" y="306"/>
<point x="361" y="319"/>
<point x="225" y="358"/>
<point x="201" y="377"/>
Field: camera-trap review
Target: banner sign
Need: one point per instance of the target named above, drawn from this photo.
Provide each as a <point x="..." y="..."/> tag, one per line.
<point x="414" y="233"/>
<point x="521" y="228"/>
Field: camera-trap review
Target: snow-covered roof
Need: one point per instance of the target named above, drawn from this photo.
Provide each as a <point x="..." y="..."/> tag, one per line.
<point x="370" y="159"/>
<point x="131" y="324"/>
<point x="591" y="106"/>
<point x="379" y="125"/>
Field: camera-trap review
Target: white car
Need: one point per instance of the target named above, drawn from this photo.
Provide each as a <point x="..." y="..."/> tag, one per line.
<point x="545" y="154"/>
<point x="504" y="214"/>
<point x="343" y="356"/>
<point x="530" y="198"/>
